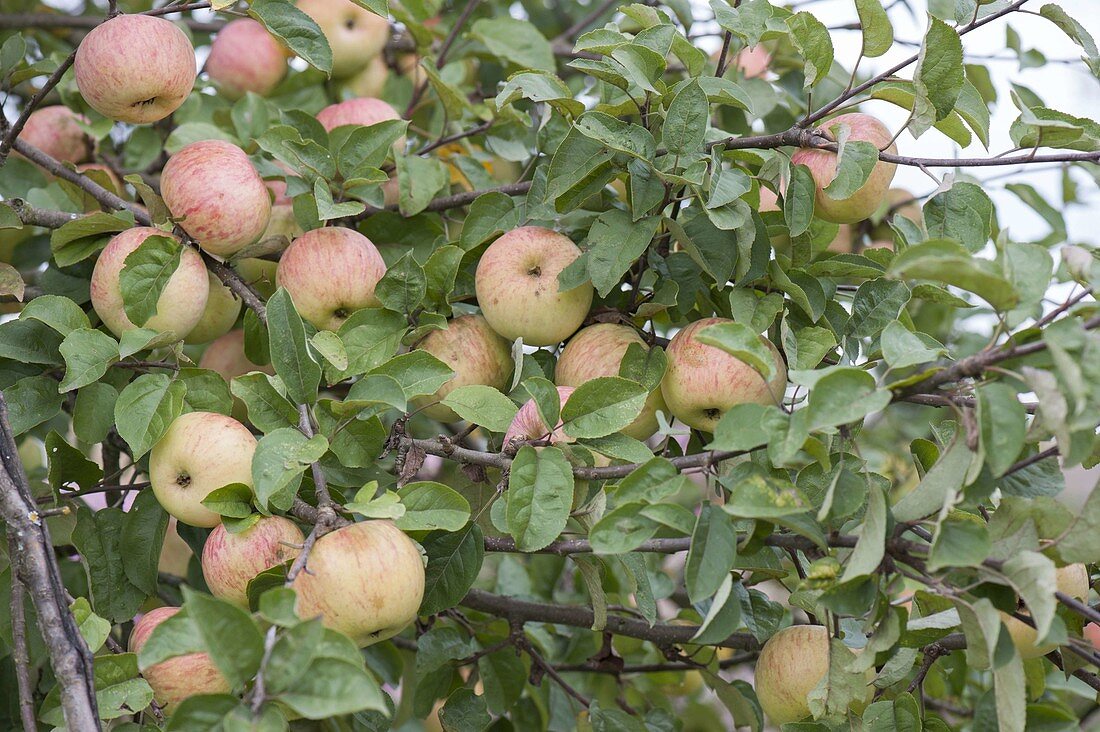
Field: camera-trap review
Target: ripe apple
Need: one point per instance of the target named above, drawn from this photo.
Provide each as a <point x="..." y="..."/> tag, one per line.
<point x="181" y="303"/>
<point x="791" y="663"/>
<point x="355" y="34"/>
<point x="899" y="202"/>
<point x="371" y="80"/>
<point x="226" y="357"/>
<point x="216" y="194"/>
<point x="229" y="561"/>
<point x="244" y="57"/>
<point x="135" y="68"/>
<point x="365" y="581"/>
<point x="822" y="164"/>
<point x="54" y="131"/>
<point x="1092" y="635"/>
<point x="474" y="352"/>
<point x="219" y="315"/>
<point x="528" y="424"/>
<point x="200" y="452"/>
<point x="702" y="382"/>
<point x="363" y="111"/>
<point x="177" y="678"/>
<point x="1073" y="580"/>
<point x="598" y="351"/>
<point x="517" y="287"/>
<point x="330" y="273"/>
<point x="752" y="61"/>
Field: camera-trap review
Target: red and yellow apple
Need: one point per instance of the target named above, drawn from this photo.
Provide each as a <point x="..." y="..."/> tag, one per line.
<point x="178" y="678"/>
<point x="230" y="561"/>
<point x="474" y="352"/>
<point x="243" y="58"/>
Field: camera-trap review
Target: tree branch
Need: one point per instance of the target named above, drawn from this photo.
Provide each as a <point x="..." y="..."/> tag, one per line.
<point x="444" y="203"/>
<point x="20" y="656"/>
<point x="31" y="105"/>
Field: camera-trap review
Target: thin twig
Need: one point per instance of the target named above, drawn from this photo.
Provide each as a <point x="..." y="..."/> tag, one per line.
<point x="20" y="655"/>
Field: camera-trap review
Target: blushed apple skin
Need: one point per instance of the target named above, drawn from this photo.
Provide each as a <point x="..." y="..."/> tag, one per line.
<point x="1073" y="580"/>
<point x="200" y="452"/>
<point x="528" y="425"/>
<point x="822" y="164"/>
<point x="361" y="111"/>
<point x="243" y="58"/>
<point x="230" y="561"/>
<point x="702" y="382"/>
<point x="219" y="315"/>
<point x="226" y="357"/>
<point x="354" y="34"/>
<point x="181" y="303"/>
<point x="769" y="201"/>
<point x="214" y="191"/>
<point x="474" y="352"/>
<point x="598" y="351"/>
<point x="135" y="68"/>
<point x="181" y="677"/>
<point x="365" y="581"/>
<point x="54" y="131"/>
<point x="751" y="61"/>
<point x="791" y="664"/>
<point x="330" y="273"/>
<point x="517" y="287"/>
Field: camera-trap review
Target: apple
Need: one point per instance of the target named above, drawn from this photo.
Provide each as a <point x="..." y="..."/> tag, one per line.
<point x="175" y="554"/>
<point x="180" y="677"/>
<point x="282" y="225"/>
<point x="365" y="581"/>
<point x="217" y="196"/>
<point x="752" y="61"/>
<point x="474" y="352"/>
<point x="528" y="424"/>
<point x="365" y="111"/>
<point x="791" y="663"/>
<point x="243" y="58"/>
<point x="181" y="303"/>
<point x="1072" y="580"/>
<point x="517" y="287"/>
<point x="598" y="351"/>
<point x="702" y="382"/>
<point x="769" y="201"/>
<point x="54" y="131"/>
<point x="1092" y="635"/>
<point x="135" y="68"/>
<point x="200" y="452"/>
<point x="371" y="80"/>
<point x="822" y="164"/>
<point x="219" y="315"/>
<point x="330" y="273"/>
<point x="899" y="202"/>
<point x="229" y="560"/>
<point x="258" y="273"/>
<point x="226" y="357"/>
<point x="355" y="34"/>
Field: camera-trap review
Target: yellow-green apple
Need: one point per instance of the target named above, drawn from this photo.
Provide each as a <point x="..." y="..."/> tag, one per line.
<point x="330" y="273"/>
<point x="200" y="452"/>
<point x="355" y="34"/>
<point x="517" y="287"/>
<point x="258" y="273"/>
<point x="213" y="190"/>
<point x="822" y="164"/>
<point x="178" y="678"/>
<point x="598" y="351"/>
<point x="702" y="382"/>
<point x="365" y="581"/>
<point x="281" y="227"/>
<point x="243" y="58"/>
<point x="1072" y="580"/>
<point x="474" y="352"/>
<point x="135" y="68"/>
<point x="791" y="664"/>
<point x="54" y="131"/>
<point x="371" y="80"/>
<point x="528" y="424"/>
<point x="364" y="111"/>
<point x="181" y="303"/>
<point x="230" y="561"/>
<point x="219" y="315"/>
<point x="899" y="202"/>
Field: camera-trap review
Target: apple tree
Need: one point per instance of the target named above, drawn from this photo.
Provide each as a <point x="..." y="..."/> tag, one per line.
<point x="546" y="366"/>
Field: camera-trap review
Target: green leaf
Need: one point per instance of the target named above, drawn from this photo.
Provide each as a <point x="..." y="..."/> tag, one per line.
<point x="143" y="530"/>
<point x="268" y="408"/>
<point x="328" y="209"/>
<point x="81" y="238"/>
<point x="949" y="263"/>
<point x="902" y="348"/>
<point x="515" y="42"/>
<point x="939" y="484"/>
<point x="844" y="395"/>
<point x="686" y="120"/>
<point x="540" y="495"/>
<point x="798" y="202"/>
<point x="482" y="405"/>
<point x="418" y="181"/>
<point x="963" y="212"/>
<point x="145" y="274"/>
<point x="490" y="214"/>
<point x="229" y="635"/>
<point x="539" y="86"/>
<point x="454" y="560"/>
<point x="602" y="406"/>
<point x="418" y="372"/>
<point x="430" y="506"/>
<point x="878" y="34"/>
<point x="281" y="458"/>
<point x="295" y="648"/>
<point x="1003" y="422"/>
<point x="625" y="137"/>
<point x="959" y="542"/>
<point x="68" y="465"/>
<point x="939" y="77"/>
<point x="290" y="353"/>
<point x="93" y="628"/>
<point x="739" y="340"/>
<point x="811" y="38"/>
<point x="60" y="313"/>
<point x="371" y="336"/>
<point x="622" y="529"/>
<point x="93" y="415"/>
<point x="332" y="687"/>
<point x="712" y="554"/>
<point x="296" y="30"/>
<point x="97" y="536"/>
<point x="855" y="162"/>
<point x="233" y="500"/>
<point x="876" y="304"/>
<point x="404" y="285"/>
<point x="145" y="409"/>
<point x="1076" y="32"/>
<point x="88" y="353"/>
